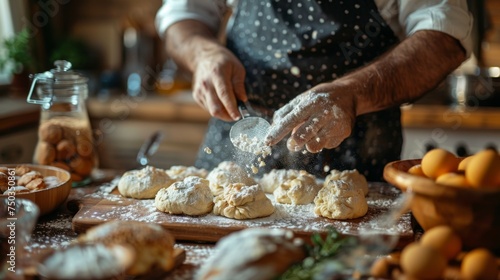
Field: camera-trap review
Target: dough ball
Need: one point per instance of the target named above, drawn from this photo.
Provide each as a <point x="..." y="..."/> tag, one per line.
<point x="340" y="200"/>
<point x="179" y="172"/>
<point x="226" y="173"/>
<point x="191" y="196"/>
<point x="301" y="190"/>
<point x="352" y="177"/>
<point x="276" y="177"/>
<point x="153" y="245"/>
<point x="144" y="183"/>
<point x="231" y="166"/>
<point x="253" y="253"/>
<point x="239" y="201"/>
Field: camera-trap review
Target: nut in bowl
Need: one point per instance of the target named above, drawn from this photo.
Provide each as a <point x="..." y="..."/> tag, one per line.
<point x="47" y="186"/>
<point x="473" y="212"/>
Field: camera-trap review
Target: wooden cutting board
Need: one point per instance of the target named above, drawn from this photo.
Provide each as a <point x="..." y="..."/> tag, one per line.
<point x="107" y="205"/>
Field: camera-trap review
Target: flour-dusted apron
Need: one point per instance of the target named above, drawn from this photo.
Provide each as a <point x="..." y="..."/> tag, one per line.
<point x="287" y="47"/>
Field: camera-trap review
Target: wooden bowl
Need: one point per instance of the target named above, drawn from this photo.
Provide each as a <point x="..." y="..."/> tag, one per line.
<point x="473" y="213"/>
<point x="47" y="199"/>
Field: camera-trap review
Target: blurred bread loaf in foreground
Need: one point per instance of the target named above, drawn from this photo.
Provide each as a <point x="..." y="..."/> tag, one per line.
<point x="253" y="253"/>
<point x="153" y="245"/>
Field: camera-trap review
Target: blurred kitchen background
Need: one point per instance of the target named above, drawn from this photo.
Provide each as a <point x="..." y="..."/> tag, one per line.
<point x="136" y="90"/>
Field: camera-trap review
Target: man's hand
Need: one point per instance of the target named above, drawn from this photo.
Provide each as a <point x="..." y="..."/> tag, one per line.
<point x="219" y="79"/>
<point x="324" y="117"/>
<point x="320" y="118"/>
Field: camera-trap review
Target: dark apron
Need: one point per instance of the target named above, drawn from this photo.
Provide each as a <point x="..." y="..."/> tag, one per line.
<point x="288" y="47"/>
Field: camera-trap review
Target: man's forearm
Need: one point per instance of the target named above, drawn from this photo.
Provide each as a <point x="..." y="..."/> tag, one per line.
<point x="186" y="40"/>
<point x="406" y="72"/>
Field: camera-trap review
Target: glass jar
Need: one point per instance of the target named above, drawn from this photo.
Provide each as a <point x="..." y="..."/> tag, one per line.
<point x="64" y="135"/>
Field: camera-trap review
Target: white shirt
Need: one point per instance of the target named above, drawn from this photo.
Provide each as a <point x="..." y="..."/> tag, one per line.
<point x="404" y="17"/>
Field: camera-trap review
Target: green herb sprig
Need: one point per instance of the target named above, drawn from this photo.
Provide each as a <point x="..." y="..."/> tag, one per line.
<point x="322" y="251"/>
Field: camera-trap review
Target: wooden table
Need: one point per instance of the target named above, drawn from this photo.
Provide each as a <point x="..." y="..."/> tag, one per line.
<point x="54" y="231"/>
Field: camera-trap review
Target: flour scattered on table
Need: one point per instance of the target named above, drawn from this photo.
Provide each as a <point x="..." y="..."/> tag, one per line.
<point x="300" y="218"/>
<point x="60" y="224"/>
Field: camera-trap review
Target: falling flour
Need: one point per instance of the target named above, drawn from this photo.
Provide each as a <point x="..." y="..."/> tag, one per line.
<point x="254" y="146"/>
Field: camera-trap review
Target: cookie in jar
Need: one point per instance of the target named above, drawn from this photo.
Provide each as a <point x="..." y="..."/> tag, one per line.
<point x="65" y="137"/>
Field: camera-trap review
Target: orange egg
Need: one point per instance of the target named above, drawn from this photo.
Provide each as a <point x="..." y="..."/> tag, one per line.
<point x="444" y="239"/>
<point x="437" y="162"/>
<point x="463" y="163"/>
<point x="453" y="179"/>
<point x="380" y="268"/>
<point x="479" y="264"/>
<point x="422" y="262"/>
<point x="416" y="170"/>
<point x="483" y="170"/>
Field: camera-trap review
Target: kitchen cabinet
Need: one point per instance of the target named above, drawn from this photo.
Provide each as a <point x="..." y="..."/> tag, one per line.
<point x="18" y="146"/>
<point x="18" y="130"/>
<point x="118" y="147"/>
<point x="123" y="123"/>
<point x="425" y="126"/>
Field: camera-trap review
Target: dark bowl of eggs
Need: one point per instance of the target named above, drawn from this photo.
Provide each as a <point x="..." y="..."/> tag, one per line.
<point x="462" y="193"/>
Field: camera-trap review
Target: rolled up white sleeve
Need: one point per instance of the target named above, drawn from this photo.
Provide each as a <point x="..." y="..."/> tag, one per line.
<point x="172" y="11"/>
<point x="449" y="16"/>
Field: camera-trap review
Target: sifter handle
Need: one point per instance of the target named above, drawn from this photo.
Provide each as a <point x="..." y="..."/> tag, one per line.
<point x="242" y="107"/>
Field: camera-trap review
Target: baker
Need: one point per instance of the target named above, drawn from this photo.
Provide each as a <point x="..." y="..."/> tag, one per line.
<point x="329" y="74"/>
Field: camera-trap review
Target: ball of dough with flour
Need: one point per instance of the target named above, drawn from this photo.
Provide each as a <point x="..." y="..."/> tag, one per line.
<point x="253" y="253"/>
<point x="226" y="173"/>
<point x="340" y="200"/>
<point x="144" y="183"/>
<point x="179" y="172"/>
<point x="276" y="177"/>
<point x="301" y="190"/>
<point x="239" y="201"/>
<point x="191" y="196"/>
<point x="153" y="245"/>
<point x="352" y="177"/>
